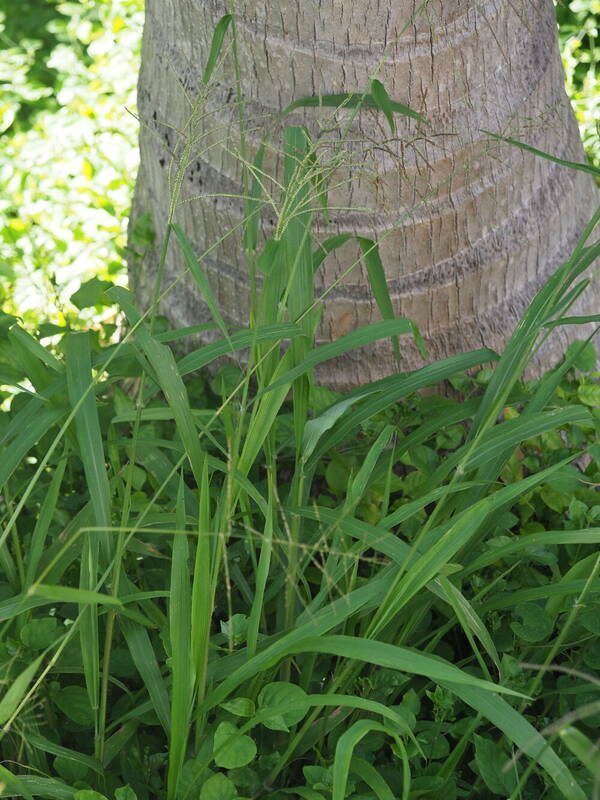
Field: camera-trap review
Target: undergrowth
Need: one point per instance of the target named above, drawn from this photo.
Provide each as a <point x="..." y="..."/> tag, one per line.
<point x="249" y="586"/>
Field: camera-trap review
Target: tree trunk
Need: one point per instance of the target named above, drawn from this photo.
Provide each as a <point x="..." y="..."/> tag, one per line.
<point x="469" y="230"/>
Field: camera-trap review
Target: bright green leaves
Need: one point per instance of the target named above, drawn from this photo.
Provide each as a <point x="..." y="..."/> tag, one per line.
<point x="231" y="748"/>
<point x="278" y="695"/>
<point x="491" y="763"/>
<point x="586" y="355"/>
<point x="589" y="394"/>
<point x="240" y="707"/>
<point x="74" y="703"/>
<point x="218" y="787"/>
<point x="532" y="623"/>
<point x="39" y="633"/>
<point x="91" y="293"/>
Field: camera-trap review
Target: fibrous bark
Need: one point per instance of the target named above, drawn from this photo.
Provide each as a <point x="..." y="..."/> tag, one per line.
<point x="469" y="230"/>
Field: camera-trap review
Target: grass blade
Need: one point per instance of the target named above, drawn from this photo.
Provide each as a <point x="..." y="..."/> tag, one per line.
<point x="351" y="341"/>
<point x="17" y="690"/>
<point x="180" y="609"/>
<point x="89" y="435"/>
<point x="349" y="100"/>
<point x="201" y="279"/>
<point x="572" y="164"/>
<point x="66" y="594"/>
<point x="237" y="341"/>
<point x="42" y="524"/>
<point x="517" y="730"/>
<point x="216" y="46"/>
<point x="146" y="664"/>
<point x="384" y="102"/>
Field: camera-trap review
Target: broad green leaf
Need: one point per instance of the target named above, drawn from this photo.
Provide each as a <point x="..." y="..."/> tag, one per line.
<point x="585" y="355"/>
<point x="40" y="633"/>
<point x="218" y="787"/>
<point x="240" y="707"/>
<point x="533" y="623"/>
<point x="46" y="788"/>
<point x="91" y="293"/>
<point x="232" y="749"/>
<point x="281" y="693"/>
<point x="125" y="793"/>
<point x="490" y="761"/>
<point x="73" y="701"/>
<point x="589" y="394"/>
<point x="69" y="770"/>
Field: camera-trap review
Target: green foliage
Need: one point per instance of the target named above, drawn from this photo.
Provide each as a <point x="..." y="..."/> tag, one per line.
<point x="68" y="153"/>
<point x="578" y="26"/>
<point x="241" y="585"/>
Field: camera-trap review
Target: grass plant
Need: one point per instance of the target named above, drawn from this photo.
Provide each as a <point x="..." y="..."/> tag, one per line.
<point x="244" y="585"/>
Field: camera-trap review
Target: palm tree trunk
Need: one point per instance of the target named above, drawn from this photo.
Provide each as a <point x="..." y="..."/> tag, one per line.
<point x="468" y="229"/>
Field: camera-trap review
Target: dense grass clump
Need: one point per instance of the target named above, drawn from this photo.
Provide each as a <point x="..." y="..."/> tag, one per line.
<point x="240" y="584"/>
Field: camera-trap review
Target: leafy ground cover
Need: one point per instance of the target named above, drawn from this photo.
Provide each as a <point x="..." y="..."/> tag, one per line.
<point x="242" y="585"/>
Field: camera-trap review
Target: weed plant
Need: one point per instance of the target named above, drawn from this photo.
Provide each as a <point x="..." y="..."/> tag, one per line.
<point x="249" y="586"/>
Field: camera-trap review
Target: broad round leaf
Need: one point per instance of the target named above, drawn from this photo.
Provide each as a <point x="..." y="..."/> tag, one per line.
<point x="218" y="787"/>
<point x="279" y="695"/>
<point x="39" y="633"/>
<point x="240" y="706"/>
<point x="535" y="623"/>
<point x="231" y="753"/>
<point x="73" y="702"/>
